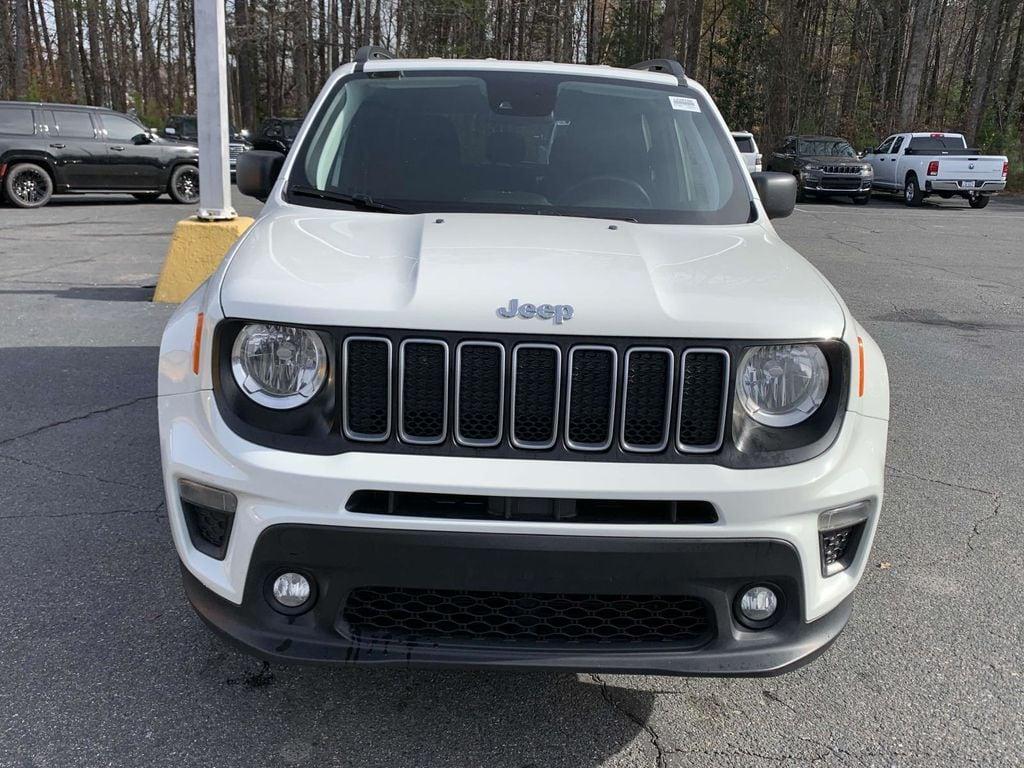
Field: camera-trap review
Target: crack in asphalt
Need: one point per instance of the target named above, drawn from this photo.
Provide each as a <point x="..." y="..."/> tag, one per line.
<point x="97" y="513"/>
<point x="56" y="470"/>
<point x="902" y="473"/>
<point x="652" y="735"/>
<point x="995" y="497"/>
<point x="997" y="504"/>
<point x="73" y="419"/>
<point x="859" y="248"/>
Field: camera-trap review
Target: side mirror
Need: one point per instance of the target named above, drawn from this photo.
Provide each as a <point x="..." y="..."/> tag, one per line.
<point x="868" y="151"/>
<point x="256" y="172"/>
<point x="777" y="192"/>
<point x="168" y="131"/>
<point x="142" y="138"/>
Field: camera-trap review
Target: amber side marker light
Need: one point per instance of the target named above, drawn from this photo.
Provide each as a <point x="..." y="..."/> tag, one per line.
<point x="860" y="355"/>
<point x="197" y="343"/>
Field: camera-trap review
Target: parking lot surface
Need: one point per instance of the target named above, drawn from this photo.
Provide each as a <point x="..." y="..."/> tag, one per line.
<point x="102" y="662"/>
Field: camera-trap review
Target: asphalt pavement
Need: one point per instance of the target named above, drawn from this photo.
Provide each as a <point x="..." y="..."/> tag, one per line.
<point x="103" y="663"/>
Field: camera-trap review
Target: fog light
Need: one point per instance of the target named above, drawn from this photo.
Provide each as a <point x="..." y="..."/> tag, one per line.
<point x="291" y="589"/>
<point x="758" y="604"/>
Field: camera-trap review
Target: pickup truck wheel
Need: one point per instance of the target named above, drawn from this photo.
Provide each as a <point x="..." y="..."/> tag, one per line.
<point x="147" y="197"/>
<point x="184" y="185"/>
<point x="912" y="194"/>
<point x="978" y="201"/>
<point x="862" y="200"/>
<point x="28" y="186"/>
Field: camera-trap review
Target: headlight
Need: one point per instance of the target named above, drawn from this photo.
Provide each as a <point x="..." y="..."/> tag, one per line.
<point x="782" y="385"/>
<point x="278" y="366"/>
<point x="866" y="170"/>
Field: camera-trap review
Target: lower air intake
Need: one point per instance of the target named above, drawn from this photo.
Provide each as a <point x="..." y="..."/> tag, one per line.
<point x="433" y="615"/>
<point x="838" y="548"/>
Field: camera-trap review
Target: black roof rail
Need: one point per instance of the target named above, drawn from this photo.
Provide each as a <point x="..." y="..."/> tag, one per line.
<point x="371" y="53"/>
<point x="668" y="66"/>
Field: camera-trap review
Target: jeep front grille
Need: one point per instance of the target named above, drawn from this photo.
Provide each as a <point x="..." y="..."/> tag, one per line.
<point x="844" y="169"/>
<point x="584" y="397"/>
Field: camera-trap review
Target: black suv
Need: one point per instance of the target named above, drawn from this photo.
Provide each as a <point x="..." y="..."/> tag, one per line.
<point x="54" y="149"/>
<point x="277" y="134"/>
<point x="185" y="129"/>
<point x="823" y="166"/>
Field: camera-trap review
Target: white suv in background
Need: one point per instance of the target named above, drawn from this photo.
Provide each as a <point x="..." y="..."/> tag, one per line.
<point x="513" y="370"/>
<point x="748" y="150"/>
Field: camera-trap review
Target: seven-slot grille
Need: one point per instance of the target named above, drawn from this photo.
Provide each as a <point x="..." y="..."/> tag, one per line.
<point x="532" y="395"/>
<point x="841" y="169"/>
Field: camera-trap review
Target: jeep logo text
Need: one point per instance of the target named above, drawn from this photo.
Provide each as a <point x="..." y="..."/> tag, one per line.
<point x="557" y="312"/>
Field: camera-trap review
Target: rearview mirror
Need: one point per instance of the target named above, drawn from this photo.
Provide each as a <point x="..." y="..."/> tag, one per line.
<point x="256" y="172"/>
<point x="777" y="192"/>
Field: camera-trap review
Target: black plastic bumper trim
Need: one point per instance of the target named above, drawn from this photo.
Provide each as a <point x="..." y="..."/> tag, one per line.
<point x="342" y="559"/>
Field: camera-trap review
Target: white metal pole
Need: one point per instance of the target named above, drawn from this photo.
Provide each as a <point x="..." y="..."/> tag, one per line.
<point x="212" y="111"/>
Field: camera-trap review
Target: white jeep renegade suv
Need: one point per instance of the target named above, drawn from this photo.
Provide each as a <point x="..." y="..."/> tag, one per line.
<point x="514" y="370"/>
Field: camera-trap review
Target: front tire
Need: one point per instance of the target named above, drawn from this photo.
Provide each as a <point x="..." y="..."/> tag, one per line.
<point x="862" y="200"/>
<point x="978" y="201"/>
<point x="28" y="185"/>
<point x="912" y="194"/>
<point x="184" y="185"/>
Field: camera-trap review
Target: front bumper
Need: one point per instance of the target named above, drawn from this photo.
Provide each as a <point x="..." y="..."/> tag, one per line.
<point x="342" y="560"/>
<point x="772" y="510"/>
<point x="837" y="185"/>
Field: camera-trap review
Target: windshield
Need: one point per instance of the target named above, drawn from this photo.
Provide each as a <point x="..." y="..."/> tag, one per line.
<point x="512" y="142"/>
<point x="827" y="147"/>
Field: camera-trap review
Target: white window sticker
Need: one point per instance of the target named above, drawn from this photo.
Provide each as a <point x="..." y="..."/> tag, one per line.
<point x="685" y="103"/>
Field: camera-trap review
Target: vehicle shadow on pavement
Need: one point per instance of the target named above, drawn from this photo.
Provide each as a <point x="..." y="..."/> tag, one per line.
<point x="886" y="202"/>
<point x="110" y="665"/>
<point x="92" y="292"/>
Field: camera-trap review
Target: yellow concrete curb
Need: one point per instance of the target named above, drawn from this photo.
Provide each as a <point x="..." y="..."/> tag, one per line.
<point x="195" y="252"/>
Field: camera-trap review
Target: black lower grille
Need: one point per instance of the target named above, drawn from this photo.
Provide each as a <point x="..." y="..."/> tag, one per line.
<point x="452" y="506"/>
<point x="591" y="398"/>
<point x="537" y="370"/>
<point x="701" y="398"/>
<point x="647" y="399"/>
<point x="411" y="614"/>
<point x="833" y="182"/>
<point x="424" y="397"/>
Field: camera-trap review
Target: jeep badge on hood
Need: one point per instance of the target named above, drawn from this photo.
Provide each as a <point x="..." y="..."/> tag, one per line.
<point x="558" y="312"/>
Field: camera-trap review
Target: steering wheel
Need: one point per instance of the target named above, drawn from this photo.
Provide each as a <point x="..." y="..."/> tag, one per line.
<point x="577" y="193"/>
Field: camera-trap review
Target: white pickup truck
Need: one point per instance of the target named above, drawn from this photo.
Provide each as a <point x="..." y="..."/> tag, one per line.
<point x="922" y="164"/>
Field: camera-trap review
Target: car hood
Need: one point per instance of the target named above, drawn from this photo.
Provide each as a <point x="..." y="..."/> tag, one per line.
<point x="832" y="160"/>
<point x="452" y="272"/>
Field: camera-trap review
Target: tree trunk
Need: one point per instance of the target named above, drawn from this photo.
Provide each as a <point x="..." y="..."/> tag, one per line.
<point x="667" y="42"/>
<point x="693" y="21"/>
<point x="915" y="65"/>
<point x="21" y="46"/>
<point x="983" y="71"/>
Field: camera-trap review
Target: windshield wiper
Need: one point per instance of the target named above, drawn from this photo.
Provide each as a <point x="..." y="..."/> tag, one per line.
<point x="360" y="202"/>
